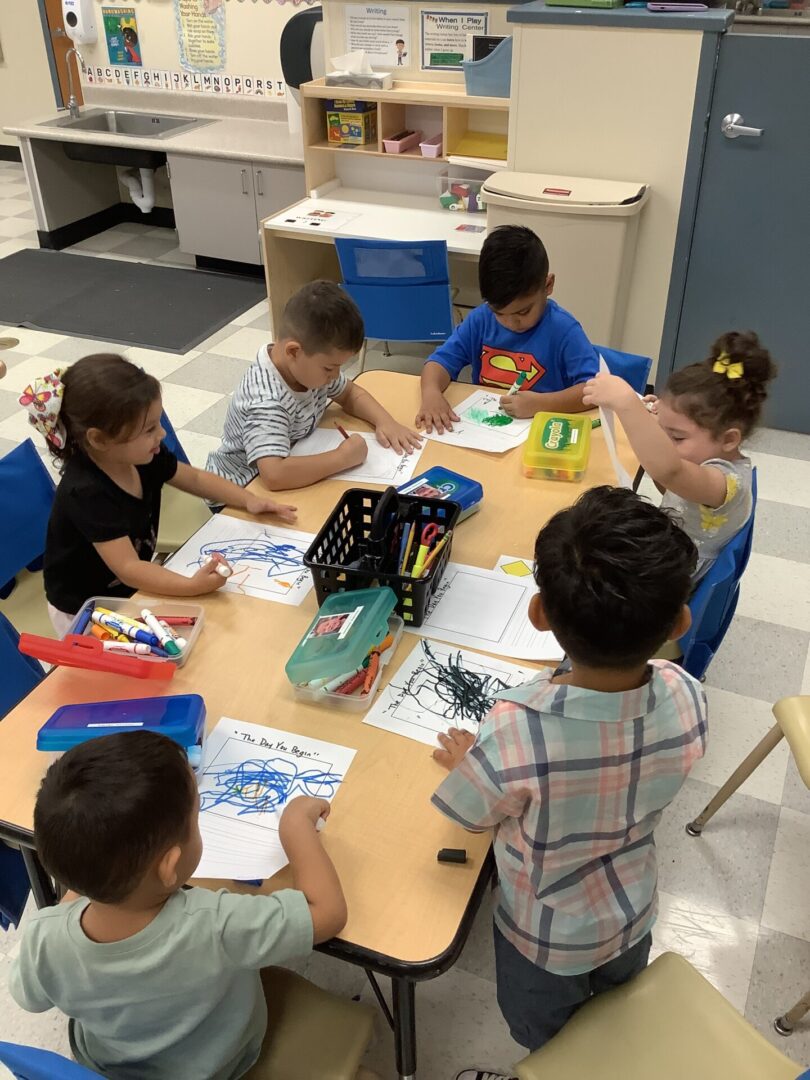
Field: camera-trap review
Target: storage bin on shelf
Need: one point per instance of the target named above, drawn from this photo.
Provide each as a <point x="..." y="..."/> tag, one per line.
<point x="405" y="141"/>
<point x="492" y="75"/>
<point x="432" y="147"/>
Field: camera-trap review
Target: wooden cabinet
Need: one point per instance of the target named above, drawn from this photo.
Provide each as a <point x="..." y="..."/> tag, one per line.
<point x="218" y="203"/>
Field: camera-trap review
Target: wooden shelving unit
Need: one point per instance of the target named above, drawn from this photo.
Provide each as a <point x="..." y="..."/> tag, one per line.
<point x="463" y="121"/>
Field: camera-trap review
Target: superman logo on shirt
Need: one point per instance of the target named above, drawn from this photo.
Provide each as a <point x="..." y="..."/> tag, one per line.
<point x="500" y="368"/>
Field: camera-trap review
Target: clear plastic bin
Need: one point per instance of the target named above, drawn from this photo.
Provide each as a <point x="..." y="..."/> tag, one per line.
<point x="131" y="607"/>
<point x="456" y="193"/>
<point x="355" y="702"/>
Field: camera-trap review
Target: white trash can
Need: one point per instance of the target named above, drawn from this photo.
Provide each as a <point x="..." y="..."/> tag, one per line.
<point x="589" y="228"/>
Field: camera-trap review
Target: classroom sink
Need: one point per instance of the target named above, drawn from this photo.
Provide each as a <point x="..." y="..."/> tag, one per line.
<point x="135" y="124"/>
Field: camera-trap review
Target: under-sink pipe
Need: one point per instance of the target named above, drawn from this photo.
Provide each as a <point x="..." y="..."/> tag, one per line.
<point x="141" y="186"/>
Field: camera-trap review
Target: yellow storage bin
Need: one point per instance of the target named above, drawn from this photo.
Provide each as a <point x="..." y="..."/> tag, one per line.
<point x="558" y="447"/>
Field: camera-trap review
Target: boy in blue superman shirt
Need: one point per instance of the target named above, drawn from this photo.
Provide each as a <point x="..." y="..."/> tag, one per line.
<point x="517" y="329"/>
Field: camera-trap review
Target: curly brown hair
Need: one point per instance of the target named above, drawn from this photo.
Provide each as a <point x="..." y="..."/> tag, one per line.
<point x="712" y="399"/>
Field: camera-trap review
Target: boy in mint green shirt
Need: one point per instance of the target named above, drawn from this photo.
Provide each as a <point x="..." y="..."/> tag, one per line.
<point x="161" y="983"/>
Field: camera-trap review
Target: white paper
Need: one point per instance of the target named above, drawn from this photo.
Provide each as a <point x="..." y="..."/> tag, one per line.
<point x="486" y="610"/>
<point x="482" y="425"/>
<point x="419" y="702"/>
<point x="248" y="775"/>
<point x="267" y="560"/>
<point x="326" y="221"/>
<point x="375" y="29"/>
<point x="382" y="466"/>
<point x="515" y="566"/>
<point x="608" y="418"/>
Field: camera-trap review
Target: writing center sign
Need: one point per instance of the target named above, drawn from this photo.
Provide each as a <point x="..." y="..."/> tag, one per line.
<point x="444" y="37"/>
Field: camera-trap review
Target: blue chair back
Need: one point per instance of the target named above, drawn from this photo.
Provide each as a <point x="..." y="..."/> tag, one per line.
<point x="171" y="442"/>
<point x="633" y="369"/>
<point x="28" y="1063"/>
<point x="26" y="498"/>
<point x="20" y="673"/>
<point x="714" y="601"/>
<point x="401" y="287"/>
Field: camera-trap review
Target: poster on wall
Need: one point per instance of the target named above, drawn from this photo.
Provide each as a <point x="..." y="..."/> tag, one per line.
<point x="382" y="32"/>
<point x="121" y="32"/>
<point x="200" y="34"/>
<point x="444" y="37"/>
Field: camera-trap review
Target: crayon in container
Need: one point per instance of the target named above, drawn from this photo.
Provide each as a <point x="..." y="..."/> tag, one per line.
<point x="558" y="447"/>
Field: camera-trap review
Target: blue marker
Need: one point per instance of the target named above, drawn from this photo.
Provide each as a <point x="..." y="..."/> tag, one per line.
<point x="127" y="629"/>
<point x="84" y="619"/>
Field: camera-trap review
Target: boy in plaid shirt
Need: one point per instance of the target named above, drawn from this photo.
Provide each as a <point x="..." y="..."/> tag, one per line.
<point x="572" y="771"/>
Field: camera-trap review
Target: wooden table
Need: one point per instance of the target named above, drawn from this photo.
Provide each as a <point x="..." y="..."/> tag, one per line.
<point x="408" y="914"/>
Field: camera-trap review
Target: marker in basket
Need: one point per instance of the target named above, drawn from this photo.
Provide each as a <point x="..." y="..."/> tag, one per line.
<point x="432" y="555"/>
<point x="408" y="546"/>
<point x="178" y="620"/>
<point x="109" y="623"/>
<point x="165" y="639"/>
<point x="342" y="430"/>
<point x="84" y="619"/>
<point x="135" y="648"/>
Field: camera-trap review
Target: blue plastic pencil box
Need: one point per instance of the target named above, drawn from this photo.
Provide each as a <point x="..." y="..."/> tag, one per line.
<point x="181" y="717"/>
<point x="441" y="483"/>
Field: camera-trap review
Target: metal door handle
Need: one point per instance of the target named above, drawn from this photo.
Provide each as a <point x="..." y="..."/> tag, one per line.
<point x="244" y="182"/>
<point x="259" y="185"/>
<point x="732" y="127"/>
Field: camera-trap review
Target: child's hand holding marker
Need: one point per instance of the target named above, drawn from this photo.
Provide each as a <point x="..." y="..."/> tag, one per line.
<point x="212" y="575"/>
<point x="353" y="448"/>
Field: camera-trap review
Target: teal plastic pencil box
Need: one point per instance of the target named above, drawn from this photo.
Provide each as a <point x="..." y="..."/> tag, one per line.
<point x="440" y="483"/>
<point x="180" y="717"/>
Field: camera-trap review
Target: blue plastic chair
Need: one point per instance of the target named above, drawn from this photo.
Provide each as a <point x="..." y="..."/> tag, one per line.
<point x="714" y="601"/>
<point x="401" y="287"/>
<point x="29" y="1063"/>
<point x="170" y="440"/>
<point x="26" y="497"/>
<point x="633" y="369"/>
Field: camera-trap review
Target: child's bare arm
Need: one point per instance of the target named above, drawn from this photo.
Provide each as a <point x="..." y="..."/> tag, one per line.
<point x="122" y="559"/>
<point x="654" y="449"/>
<point x="435" y="410"/>
<point x="313" y="871"/>
<point x="527" y="403"/>
<point x="208" y="485"/>
<point x="283" y="474"/>
<point x="359" y="402"/>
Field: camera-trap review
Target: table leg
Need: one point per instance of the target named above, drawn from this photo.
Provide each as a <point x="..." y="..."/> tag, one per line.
<point x="41" y="884"/>
<point x="404" y="996"/>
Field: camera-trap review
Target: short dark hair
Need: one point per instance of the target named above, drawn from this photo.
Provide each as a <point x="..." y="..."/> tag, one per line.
<point x="513" y="263"/>
<point x="102" y="391"/>
<point x="613" y="572"/>
<point x="108" y="808"/>
<point x="716" y="402"/>
<point x="322" y="316"/>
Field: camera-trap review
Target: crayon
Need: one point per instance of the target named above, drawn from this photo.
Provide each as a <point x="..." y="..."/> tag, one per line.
<point x="178" y="620"/>
<point x="342" y="430"/>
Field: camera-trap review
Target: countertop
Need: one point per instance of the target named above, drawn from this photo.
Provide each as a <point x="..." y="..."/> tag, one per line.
<point x="265" y="141"/>
<point x="714" y="20"/>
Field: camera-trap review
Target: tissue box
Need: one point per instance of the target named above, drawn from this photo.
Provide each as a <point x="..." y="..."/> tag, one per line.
<point x="377" y="80"/>
<point x="351" y="123"/>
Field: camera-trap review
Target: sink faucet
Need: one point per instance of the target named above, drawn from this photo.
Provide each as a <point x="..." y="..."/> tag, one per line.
<point x="73" y="105"/>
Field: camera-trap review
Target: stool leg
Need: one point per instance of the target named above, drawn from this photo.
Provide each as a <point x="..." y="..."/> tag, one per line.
<point x="785" y="1024"/>
<point x="375" y="986"/>
<point x="405" y="1027"/>
<point x="41" y="885"/>
<point x="738" y="777"/>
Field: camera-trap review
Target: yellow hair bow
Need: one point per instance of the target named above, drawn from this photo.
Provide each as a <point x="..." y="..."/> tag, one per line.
<point x="724" y="365"/>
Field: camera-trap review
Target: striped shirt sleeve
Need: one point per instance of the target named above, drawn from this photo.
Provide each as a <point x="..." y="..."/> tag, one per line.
<point x="337" y="386"/>
<point x="266" y="431"/>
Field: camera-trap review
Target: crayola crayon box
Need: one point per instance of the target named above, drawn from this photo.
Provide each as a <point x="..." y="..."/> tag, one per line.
<point x="558" y="447"/>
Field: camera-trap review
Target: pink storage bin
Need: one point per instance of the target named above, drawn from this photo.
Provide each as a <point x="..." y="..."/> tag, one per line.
<point x="399" y="146"/>
<point x="431" y="147"/>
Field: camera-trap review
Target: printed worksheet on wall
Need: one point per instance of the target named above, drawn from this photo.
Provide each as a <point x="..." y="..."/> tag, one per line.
<point x="487" y="610"/>
<point x="267" y="560"/>
<point x="249" y="774"/>
<point x="382" y="466"/>
<point x="482" y="425"/>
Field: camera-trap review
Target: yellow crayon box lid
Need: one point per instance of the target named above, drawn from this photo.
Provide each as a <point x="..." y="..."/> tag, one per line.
<point x="558" y="441"/>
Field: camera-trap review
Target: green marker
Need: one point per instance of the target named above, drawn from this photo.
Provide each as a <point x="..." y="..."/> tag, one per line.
<point x="516" y="385"/>
<point x="596" y="423"/>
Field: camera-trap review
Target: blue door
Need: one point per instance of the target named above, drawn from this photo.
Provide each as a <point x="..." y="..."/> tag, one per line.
<point x="749" y="265"/>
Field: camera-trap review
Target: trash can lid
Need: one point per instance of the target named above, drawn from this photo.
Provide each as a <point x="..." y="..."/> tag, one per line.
<point x="544" y="191"/>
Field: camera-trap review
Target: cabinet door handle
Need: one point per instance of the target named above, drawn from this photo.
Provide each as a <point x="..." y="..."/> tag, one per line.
<point x="260" y="185"/>
<point x="244" y="182"/>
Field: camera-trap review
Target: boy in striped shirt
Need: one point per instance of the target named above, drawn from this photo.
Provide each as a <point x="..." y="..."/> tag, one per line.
<point x="572" y="771"/>
<point x="286" y="390"/>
